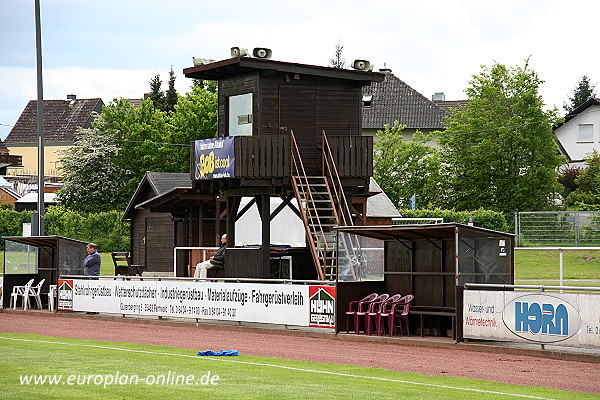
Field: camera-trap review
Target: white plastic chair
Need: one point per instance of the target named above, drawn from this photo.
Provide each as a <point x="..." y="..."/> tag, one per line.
<point x="52" y="298"/>
<point x="22" y="291"/>
<point x="34" y="291"/>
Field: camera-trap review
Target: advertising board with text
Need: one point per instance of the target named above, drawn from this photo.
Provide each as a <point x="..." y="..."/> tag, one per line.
<point x="569" y="319"/>
<point x="249" y="302"/>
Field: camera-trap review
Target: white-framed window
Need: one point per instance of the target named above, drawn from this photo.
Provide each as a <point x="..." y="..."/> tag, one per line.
<point x="585" y="133"/>
<point x="240" y="115"/>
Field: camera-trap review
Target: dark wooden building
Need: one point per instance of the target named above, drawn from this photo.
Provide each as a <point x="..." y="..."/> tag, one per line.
<point x="295" y="134"/>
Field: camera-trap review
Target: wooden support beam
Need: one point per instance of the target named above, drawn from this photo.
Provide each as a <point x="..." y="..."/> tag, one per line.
<point x="233" y="203"/>
<point x="264" y="209"/>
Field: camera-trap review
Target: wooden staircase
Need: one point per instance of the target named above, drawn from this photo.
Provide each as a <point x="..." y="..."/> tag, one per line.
<point x="322" y="205"/>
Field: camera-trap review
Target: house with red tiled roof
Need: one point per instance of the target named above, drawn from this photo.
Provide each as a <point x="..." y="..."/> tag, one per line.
<point x="62" y="118"/>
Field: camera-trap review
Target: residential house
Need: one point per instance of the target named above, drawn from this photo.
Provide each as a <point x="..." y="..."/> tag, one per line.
<point x="62" y="118"/>
<point x="579" y="135"/>
<point x="392" y="100"/>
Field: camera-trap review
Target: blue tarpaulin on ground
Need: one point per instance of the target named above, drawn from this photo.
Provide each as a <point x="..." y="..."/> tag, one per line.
<point x="219" y="353"/>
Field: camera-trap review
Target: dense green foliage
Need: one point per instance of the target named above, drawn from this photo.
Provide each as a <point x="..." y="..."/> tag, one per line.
<point x="581" y="93"/>
<point x="403" y="168"/>
<point x="482" y="218"/>
<point x="500" y="148"/>
<point x="11" y="223"/>
<point x="104" y="228"/>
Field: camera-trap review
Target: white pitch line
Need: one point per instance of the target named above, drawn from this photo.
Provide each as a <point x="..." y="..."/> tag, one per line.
<point x="284" y="367"/>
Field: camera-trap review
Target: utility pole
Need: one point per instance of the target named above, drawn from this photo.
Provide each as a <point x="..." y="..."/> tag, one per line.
<point x="40" y="121"/>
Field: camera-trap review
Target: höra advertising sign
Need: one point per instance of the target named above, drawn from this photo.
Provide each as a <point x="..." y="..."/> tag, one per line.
<point x="569" y="319"/>
<point x="541" y="318"/>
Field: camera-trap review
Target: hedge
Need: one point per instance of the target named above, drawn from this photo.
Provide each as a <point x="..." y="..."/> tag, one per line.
<point x="482" y="218"/>
<point x="105" y="228"/>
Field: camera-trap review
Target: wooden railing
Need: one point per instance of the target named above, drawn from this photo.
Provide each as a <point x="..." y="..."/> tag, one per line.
<point x="262" y="156"/>
<point x="268" y="156"/>
<point x="353" y="155"/>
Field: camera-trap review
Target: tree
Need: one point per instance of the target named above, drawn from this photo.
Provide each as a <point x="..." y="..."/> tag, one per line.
<point x="403" y="168"/>
<point x="581" y="93"/>
<point x="171" y="94"/>
<point x="156" y="93"/>
<point x="195" y="118"/>
<point x="500" y="148"/>
<point x="338" y="61"/>
<point x="92" y="180"/>
<point x="142" y="135"/>
<point x="568" y="178"/>
<point x="146" y="139"/>
<point x="588" y="184"/>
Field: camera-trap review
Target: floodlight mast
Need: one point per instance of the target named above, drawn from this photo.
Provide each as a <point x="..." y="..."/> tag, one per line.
<point x="40" y="121"/>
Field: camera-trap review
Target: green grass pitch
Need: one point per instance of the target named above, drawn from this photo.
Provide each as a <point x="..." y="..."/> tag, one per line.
<point x="107" y="370"/>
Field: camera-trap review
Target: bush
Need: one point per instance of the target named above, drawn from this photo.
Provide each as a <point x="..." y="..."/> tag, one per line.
<point x="482" y="218"/>
<point x="105" y="228"/>
<point x="11" y="223"/>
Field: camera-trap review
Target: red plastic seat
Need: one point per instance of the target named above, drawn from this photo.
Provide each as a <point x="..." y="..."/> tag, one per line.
<point x="365" y="310"/>
<point x="400" y="312"/>
<point x="356" y="306"/>
<point x="377" y="307"/>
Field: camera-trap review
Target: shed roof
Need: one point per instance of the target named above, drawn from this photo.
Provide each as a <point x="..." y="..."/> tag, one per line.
<point x="160" y="183"/>
<point x="62" y="118"/>
<point x="238" y="66"/>
<point x="415" y="232"/>
<point x="42" y="241"/>
<point x="394" y="100"/>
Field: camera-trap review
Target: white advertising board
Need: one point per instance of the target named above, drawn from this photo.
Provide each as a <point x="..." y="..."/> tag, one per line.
<point x="569" y="319"/>
<point x="301" y="305"/>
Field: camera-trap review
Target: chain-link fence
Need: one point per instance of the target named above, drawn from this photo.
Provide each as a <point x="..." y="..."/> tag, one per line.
<point x="557" y="228"/>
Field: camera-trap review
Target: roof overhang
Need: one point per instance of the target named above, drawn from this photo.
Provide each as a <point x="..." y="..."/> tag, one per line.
<point x="175" y="200"/>
<point x="416" y="232"/>
<point x="41" y="241"/>
<point x="238" y="66"/>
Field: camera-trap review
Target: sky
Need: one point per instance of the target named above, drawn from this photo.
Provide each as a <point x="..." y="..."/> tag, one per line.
<point x="111" y="49"/>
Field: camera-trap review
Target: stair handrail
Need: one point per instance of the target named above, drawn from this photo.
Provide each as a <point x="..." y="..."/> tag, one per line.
<point x="301" y="174"/>
<point x="330" y="171"/>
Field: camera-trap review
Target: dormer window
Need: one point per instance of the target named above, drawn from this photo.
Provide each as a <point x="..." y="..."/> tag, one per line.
<point x="366" y="100"/>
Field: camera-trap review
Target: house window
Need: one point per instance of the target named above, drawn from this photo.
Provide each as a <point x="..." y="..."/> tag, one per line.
<point x="585" y="133"/>
<point x="366" y="100"/>
<point x="240" y="115"/>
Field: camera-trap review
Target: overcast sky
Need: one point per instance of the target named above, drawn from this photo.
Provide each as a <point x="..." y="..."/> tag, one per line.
<point x="112" y="48"/>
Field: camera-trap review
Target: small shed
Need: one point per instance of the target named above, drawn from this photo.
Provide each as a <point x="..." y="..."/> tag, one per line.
<point x="432" y="262"/>
<point x="40" y="257"/>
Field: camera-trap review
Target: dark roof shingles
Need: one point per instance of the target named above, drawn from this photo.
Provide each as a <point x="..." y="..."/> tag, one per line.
<point x="394" y="100"/>
<point x="62" y="118"/>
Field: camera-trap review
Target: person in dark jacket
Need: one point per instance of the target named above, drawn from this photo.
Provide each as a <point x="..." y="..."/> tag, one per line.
<point x="217" y="260"/>
<point x="91" y="264"/>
